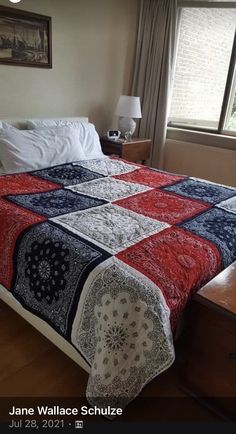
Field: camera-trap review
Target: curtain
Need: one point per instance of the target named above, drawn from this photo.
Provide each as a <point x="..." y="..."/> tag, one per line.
<point x="153" y="72"/>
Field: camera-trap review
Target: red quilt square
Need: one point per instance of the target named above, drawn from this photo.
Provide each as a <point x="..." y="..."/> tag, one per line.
<point x="13" y="220"/>
<point x="163" y="206"/>
<point x="24" y="183"/>
<point x="177" y="261"/>
<point x="150" y="177"/>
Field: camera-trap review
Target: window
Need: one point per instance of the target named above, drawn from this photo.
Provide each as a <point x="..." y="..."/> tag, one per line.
<point x="230" y="119"/>
<point x="204" y="91"/>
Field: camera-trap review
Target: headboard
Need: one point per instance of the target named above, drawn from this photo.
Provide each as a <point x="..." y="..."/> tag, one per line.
<point x="22" y="123"/>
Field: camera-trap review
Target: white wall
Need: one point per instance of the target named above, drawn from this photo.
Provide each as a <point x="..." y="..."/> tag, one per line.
<point x="93" y="53"/>
<point x="207" y="162"/>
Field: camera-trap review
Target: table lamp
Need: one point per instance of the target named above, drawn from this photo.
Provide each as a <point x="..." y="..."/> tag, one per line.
<point x="128" y="107"/>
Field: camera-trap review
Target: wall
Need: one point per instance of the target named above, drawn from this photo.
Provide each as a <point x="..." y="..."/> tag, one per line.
<point x="208" y="162"/>
<point x="93" y="53"/>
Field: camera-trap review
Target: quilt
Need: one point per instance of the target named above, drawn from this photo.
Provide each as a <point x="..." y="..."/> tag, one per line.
<point x="108" y="253"/>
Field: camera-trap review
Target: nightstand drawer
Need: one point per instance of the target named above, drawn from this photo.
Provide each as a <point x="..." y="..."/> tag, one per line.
<point x="209" y="362"/>
<point x="134" y="150"/>
<point x="109" y="147"/>
<point x="209" y="357"/>
<point x="211" y="353"/>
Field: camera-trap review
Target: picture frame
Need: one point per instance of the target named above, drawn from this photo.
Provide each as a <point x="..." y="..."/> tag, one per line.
<point x="25" y="38"/>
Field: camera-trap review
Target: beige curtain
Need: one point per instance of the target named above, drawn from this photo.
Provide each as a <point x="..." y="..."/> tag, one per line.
<point x="153" y="72"/>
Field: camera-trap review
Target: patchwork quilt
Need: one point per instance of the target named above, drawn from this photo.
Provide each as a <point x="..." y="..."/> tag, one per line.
<point x="108" y="253"/>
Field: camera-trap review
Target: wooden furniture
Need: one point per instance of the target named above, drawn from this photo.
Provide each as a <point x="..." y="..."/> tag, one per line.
<point x="133" y="150"/>
<point x="209" y="363"/>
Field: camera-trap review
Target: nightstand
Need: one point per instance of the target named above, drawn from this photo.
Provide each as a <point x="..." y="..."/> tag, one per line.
<point x="209" y="362"/>
<point x="134" y="150"/>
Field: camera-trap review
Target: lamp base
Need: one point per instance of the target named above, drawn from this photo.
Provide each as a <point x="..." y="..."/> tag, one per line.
<point x="126" y="125"/>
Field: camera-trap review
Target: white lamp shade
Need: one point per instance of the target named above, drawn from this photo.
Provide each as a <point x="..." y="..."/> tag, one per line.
<point x="129" y="106"/>
<point x="15" y="1"/>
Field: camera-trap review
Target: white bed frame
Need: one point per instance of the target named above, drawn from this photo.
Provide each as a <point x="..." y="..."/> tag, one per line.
<point x="36" y="322"/>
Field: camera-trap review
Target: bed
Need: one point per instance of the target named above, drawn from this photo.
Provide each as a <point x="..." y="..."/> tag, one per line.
<point x="102" y="255"/>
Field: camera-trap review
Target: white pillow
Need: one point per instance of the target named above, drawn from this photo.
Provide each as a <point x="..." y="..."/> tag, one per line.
<point x="87" y="134"/>
<point x="5" y="125"/>
<point x="42" y="123"/>
<point x="22" y="151"/>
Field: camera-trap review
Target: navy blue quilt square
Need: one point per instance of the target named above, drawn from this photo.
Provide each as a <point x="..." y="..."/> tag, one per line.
<point x="50" y="268"/>
<point x="203" y="191"/>
<point x="67" y="174"/>
<point x="218" y="226"/>
<point x="56" y="202"/>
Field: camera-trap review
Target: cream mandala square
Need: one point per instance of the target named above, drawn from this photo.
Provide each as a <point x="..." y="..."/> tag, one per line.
<point x="109" y="189"/>
<point x="111" y="227"/>
<point x="108" y="167"/>
<point x="228" y="205"/>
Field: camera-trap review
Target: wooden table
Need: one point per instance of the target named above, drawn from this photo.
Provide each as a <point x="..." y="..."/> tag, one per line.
<point x="209" y="364"/>
<point x="133" y="150"/>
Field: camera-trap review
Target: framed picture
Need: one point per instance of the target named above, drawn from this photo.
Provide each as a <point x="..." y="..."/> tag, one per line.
<point x="25" y="38"/>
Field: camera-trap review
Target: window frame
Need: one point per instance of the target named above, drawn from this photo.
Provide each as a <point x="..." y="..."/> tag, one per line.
<point x="230" y="76"/>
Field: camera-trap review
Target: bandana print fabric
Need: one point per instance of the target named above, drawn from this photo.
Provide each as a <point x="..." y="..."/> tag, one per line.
<point x="175" y="263"/>
<point x="68" y="174"/>
<point x="111" y="227"/>
<point x="206" y="192"/>
<point x="131" y="337"/>
<point x="13" y="221"/>
<point x="107" y="166"/>
<point x="108" y="252"/>
<point x="56" y="202"/>
<point x="109" y="189"/>
<point x="152" y="179"/>
<point x="51" y="273"/>
<point x="163" y="206"/>
<point x="216" y="225"/>
<point x="228" y="205"/>
<point x="24" y="183"/>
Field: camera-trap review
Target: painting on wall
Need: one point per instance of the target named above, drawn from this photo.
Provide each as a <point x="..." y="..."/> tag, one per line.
<point x="25" y="38"/>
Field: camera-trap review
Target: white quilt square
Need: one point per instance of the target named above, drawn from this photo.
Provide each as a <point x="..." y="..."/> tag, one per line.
<point x="111" y="227"/>
<point x="109" y="189"/>
<point x="108" y="167"/>
<point x="228" y="205"/>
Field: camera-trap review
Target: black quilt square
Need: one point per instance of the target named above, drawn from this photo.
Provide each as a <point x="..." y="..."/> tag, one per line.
<point x="67" y="174"/>
<point x="55" y="203"/>
<point x="50" y="267"/>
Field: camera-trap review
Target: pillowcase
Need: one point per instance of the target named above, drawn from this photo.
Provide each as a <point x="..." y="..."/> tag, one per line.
<point x="22" y="151"/>
<point x="87" y="134"/>
<point x="44" y="123"/>
<point x="5" y="125"/>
